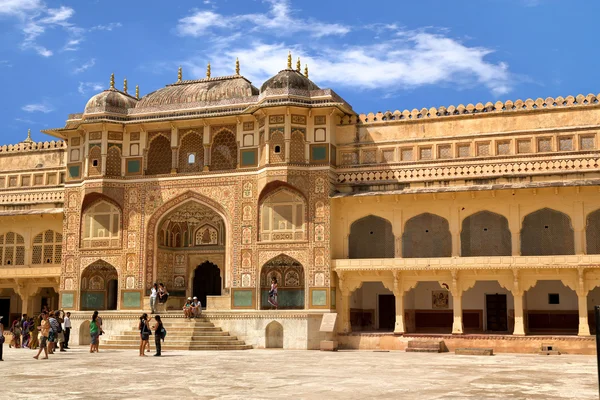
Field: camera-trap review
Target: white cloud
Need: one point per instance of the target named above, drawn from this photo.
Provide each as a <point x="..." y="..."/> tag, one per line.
<point x="86" y="88"/>
<point x="278" y="20"/>
<point x="34" y="18"/>
<point x="18" y="7"/>
<point x="40" y="107"/>
<point x="25" y="120"/>
<point x="398" y="59"/>
<point x="85" y="66"/>
<point x="107" y="27"/>
<point x="408" y="61"/>
<point x="5" y="63"/>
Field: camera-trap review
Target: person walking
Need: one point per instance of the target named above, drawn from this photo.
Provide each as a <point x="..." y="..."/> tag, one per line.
<point x="26" y="332"/>
<point x="144" y="333"/>
<point x="273" y="293"/>
<point x="44" y="332"/>
<point x="158" y="335"/>
<point x="95" y="328"/>
<point x="1" y="337"/>
<point x="153" y="294"/>
<point x="16" y="335"/>
<point x="67" y="325"/>
<point x="55" y="330"/>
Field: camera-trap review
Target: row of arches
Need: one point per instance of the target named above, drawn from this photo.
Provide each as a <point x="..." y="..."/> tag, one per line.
<point x="543" y="232"/>
<point x="223" y="153"/>
<point x="549" y="307"/>
<point x="46" y="248"/>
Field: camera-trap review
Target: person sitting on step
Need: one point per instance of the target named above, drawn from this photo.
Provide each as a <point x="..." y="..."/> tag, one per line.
<point x="196" y="308"/>
<point x="187" y="308"/>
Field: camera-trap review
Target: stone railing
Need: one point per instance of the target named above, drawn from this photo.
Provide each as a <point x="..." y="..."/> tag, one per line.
<point x="450" y="263"/>
<point x="480" y="169"/>
<point x="470" y="109"/>
<point x="55" y="196"/>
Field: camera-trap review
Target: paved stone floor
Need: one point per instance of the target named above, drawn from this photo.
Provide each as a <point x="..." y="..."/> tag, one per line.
<point x="276" y="374"/>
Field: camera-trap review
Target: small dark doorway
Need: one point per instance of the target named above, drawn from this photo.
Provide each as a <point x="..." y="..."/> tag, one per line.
<point x="497" y="316"/>
<point x="5" y="312"/>
<point x="113" y="294"/>
<point x="387" y="312"/>
<point x="207" y="281"/>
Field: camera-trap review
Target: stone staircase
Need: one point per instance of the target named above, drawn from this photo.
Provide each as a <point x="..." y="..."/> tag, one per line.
<point x="182" y="334"/>
<point x="425" y="346"/>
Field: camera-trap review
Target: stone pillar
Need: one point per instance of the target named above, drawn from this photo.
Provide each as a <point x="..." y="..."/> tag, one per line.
<point x="515" y="230"/>
<point x="455" y="231"/>
<point x="287" y="150"/>
<point x="346" y="327"/>
<point x="24" y="291"/>
<point x="584" y="327"/>
<point x="457" y="325"/>
<point x="519" y="328"/>
<point x="174" y="159"/>
<point x="399" y="328"/>
<point x="206" y="157"/>
<point x="579" y="241"/>
<point x="104" y="151"/>
<point x="456" y="290"/>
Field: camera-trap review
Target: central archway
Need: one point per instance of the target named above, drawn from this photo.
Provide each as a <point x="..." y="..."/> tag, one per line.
<point x="207" y="281"/>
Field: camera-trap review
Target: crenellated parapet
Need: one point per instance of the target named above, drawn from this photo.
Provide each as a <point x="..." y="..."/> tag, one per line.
<point x="470" y="109"/>
<point x="32" y="146"/>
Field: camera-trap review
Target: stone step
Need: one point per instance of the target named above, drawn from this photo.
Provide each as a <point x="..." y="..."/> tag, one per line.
<point x="425" y="346"/>
<point x="474" y="351"/>
<point x="181" y="347"/>
<point x="175" y="338"/>
<point x="422" y="350"/>
<point x="136" y="343"/>
<point x="189" y="331"/>
<point x="173" y="333"/>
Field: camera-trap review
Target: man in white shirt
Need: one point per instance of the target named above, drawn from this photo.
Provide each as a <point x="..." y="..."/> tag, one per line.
<point x="67" y="330"/>
<point x="196" y="307"/>
<point x="153" y="294"/>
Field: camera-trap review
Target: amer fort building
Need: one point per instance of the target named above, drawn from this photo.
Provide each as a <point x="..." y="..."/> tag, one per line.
<point x="475" y="224"/>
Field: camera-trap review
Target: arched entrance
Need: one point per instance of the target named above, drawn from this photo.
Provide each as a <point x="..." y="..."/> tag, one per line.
<point x="207" y="281"/>
<point x="191" y="254"/>
<point x="99" y="287"/>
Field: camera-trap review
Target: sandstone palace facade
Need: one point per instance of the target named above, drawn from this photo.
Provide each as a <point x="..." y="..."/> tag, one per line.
<point x="481" y="221"/>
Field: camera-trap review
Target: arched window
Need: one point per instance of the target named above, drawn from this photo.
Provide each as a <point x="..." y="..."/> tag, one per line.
<point x="485" y="234"/>
<point x="547" y="232"/>
<point x="282" y="215"/>
<point x="371" y="237"/>
<point x="191" y="152"/>
<point x="592" y="233"/>
<point x="47" y="248"/>
<point x="159" y="156"/>
<point x="12" y="249"/>
<point x="223" y="153"/>
<point x="101" y="226"/>
<point x="426" y="236"/>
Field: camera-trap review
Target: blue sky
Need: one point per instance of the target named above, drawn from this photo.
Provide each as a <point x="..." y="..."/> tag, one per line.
<point x="378" y="55"/>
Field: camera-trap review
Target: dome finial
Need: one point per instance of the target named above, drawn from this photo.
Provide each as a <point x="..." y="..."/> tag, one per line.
<point x="298" y="66"/>
<point x="137" y="91"/>
<point x="28" y="140"/>
<point x="237" y="66"/>
<point x="112" y="80"/>
<point x="289" y="61"/>
<point x="125" y="85"/>
<point x="179" y="74"/>
<point x="306" y="70"/>
<point x="208" y="70"/>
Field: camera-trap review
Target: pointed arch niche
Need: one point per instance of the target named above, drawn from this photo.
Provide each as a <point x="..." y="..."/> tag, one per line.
<point x="290" y="282"/>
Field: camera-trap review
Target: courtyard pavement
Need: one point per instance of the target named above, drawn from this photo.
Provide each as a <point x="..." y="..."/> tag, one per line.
<point x="276" y="374"/>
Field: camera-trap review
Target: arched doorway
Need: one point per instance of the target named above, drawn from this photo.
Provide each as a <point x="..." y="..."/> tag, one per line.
<point x="99" y="287"/>
<point x="207" y="281"/>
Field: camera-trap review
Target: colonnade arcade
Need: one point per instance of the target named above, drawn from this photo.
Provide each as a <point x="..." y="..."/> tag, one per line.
<point x="515" y="301"/>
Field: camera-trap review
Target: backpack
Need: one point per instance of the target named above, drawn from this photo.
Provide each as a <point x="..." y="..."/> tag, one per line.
<point x="163" y="333"/>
